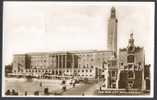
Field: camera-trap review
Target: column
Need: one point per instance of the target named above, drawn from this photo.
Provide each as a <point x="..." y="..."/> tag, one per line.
<point x="118" y="76"/>
<point x="61" y="64"/>
<point x="65" y="62"/>
<point x="58" y="65"/>
<point x="73" y="64"/>
<point x="143" y="80"/>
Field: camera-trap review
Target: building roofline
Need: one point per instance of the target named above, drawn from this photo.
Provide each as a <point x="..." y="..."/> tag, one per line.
<point x="62" y="52"/>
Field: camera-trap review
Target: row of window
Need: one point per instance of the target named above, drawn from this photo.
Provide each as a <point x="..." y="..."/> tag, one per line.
<point x="138" y="64"/>
<point x="87" y="66"/>
<point x="50" y="71"/>
<point x="85" y="75"/>
<point x="81" y="70"/>
<point x="132" y="67"/>
<point x="39" y="66"/>
<point x="40" y="60"/>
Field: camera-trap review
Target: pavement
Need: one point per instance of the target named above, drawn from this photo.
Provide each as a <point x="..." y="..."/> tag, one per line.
<point x="83" y="90"/>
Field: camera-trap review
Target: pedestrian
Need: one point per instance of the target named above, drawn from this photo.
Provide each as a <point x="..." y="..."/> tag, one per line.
<point x="8" y="92"/>
<point x="73" y="84"/>
<point x="13" y="92"/>
<point x="83" y="94"/>
<point x="40" y="84"/>
<point x="100" y="88"/>
<point x="25" y="93"/>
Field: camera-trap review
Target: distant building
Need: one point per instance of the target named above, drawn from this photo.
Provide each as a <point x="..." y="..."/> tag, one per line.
<point x="131" y="63"/>
<point x="8" y="69"/>
<point x="79" y="63"/>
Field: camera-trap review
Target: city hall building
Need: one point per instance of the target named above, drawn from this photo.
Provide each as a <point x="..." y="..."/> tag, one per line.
<point x="125" y="70"/>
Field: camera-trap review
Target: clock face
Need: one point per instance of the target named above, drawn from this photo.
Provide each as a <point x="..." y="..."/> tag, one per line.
<point x="131" y="49"/>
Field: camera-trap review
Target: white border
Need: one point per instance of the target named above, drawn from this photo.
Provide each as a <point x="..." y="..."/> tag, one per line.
<point x="87" y="3"/>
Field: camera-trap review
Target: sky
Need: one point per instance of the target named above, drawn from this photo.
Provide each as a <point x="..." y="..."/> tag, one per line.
<point x="65" y="26"/>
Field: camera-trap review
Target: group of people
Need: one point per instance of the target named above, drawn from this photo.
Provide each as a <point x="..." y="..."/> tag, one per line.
<point x="11" y="92"/>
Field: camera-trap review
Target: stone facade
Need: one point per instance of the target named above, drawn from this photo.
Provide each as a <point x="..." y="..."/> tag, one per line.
<point x="131" y="66"/>
<point x="79" y="63"/>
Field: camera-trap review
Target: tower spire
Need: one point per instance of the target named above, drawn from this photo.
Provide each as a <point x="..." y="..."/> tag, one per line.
<point x="113" y="12"/>
<point x="112" y="32"/>
<point x="131" y="40"/>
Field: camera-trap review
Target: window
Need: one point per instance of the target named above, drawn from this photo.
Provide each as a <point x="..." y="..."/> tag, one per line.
<point x="135" y="67"/>
<point x="84" y="66"/>
<point x="82" y="70"/>
<point x="121" y="64"/>
<point x="130" y="84"/>
<point x="91" y="66"/>
<point x="130" y="66"/>
<point x="113" y="85"/>
<point x="130" y="74"/>
<point x="113" y="73"/>
<point x="139" y="63"/>
<point x="86" y="70"/>
<point x="113" y="81"/>
<point x="125" y="67"/>
<point x="130" y="59"/>
<point x="90" y="70"/>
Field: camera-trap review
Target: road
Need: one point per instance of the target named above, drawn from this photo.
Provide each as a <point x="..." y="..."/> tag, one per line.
<point x="83" y="89"/>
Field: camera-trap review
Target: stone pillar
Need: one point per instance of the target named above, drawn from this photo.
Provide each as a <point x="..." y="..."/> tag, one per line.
<point x="117" y="81"/>
<point x="58" y="65"/>
<point x="73" y="64"/>
<point x="62" y="58"/>
<point x="143" y="80"/>
<point x="65" y="62"/>
<point x="61" y="64"/>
